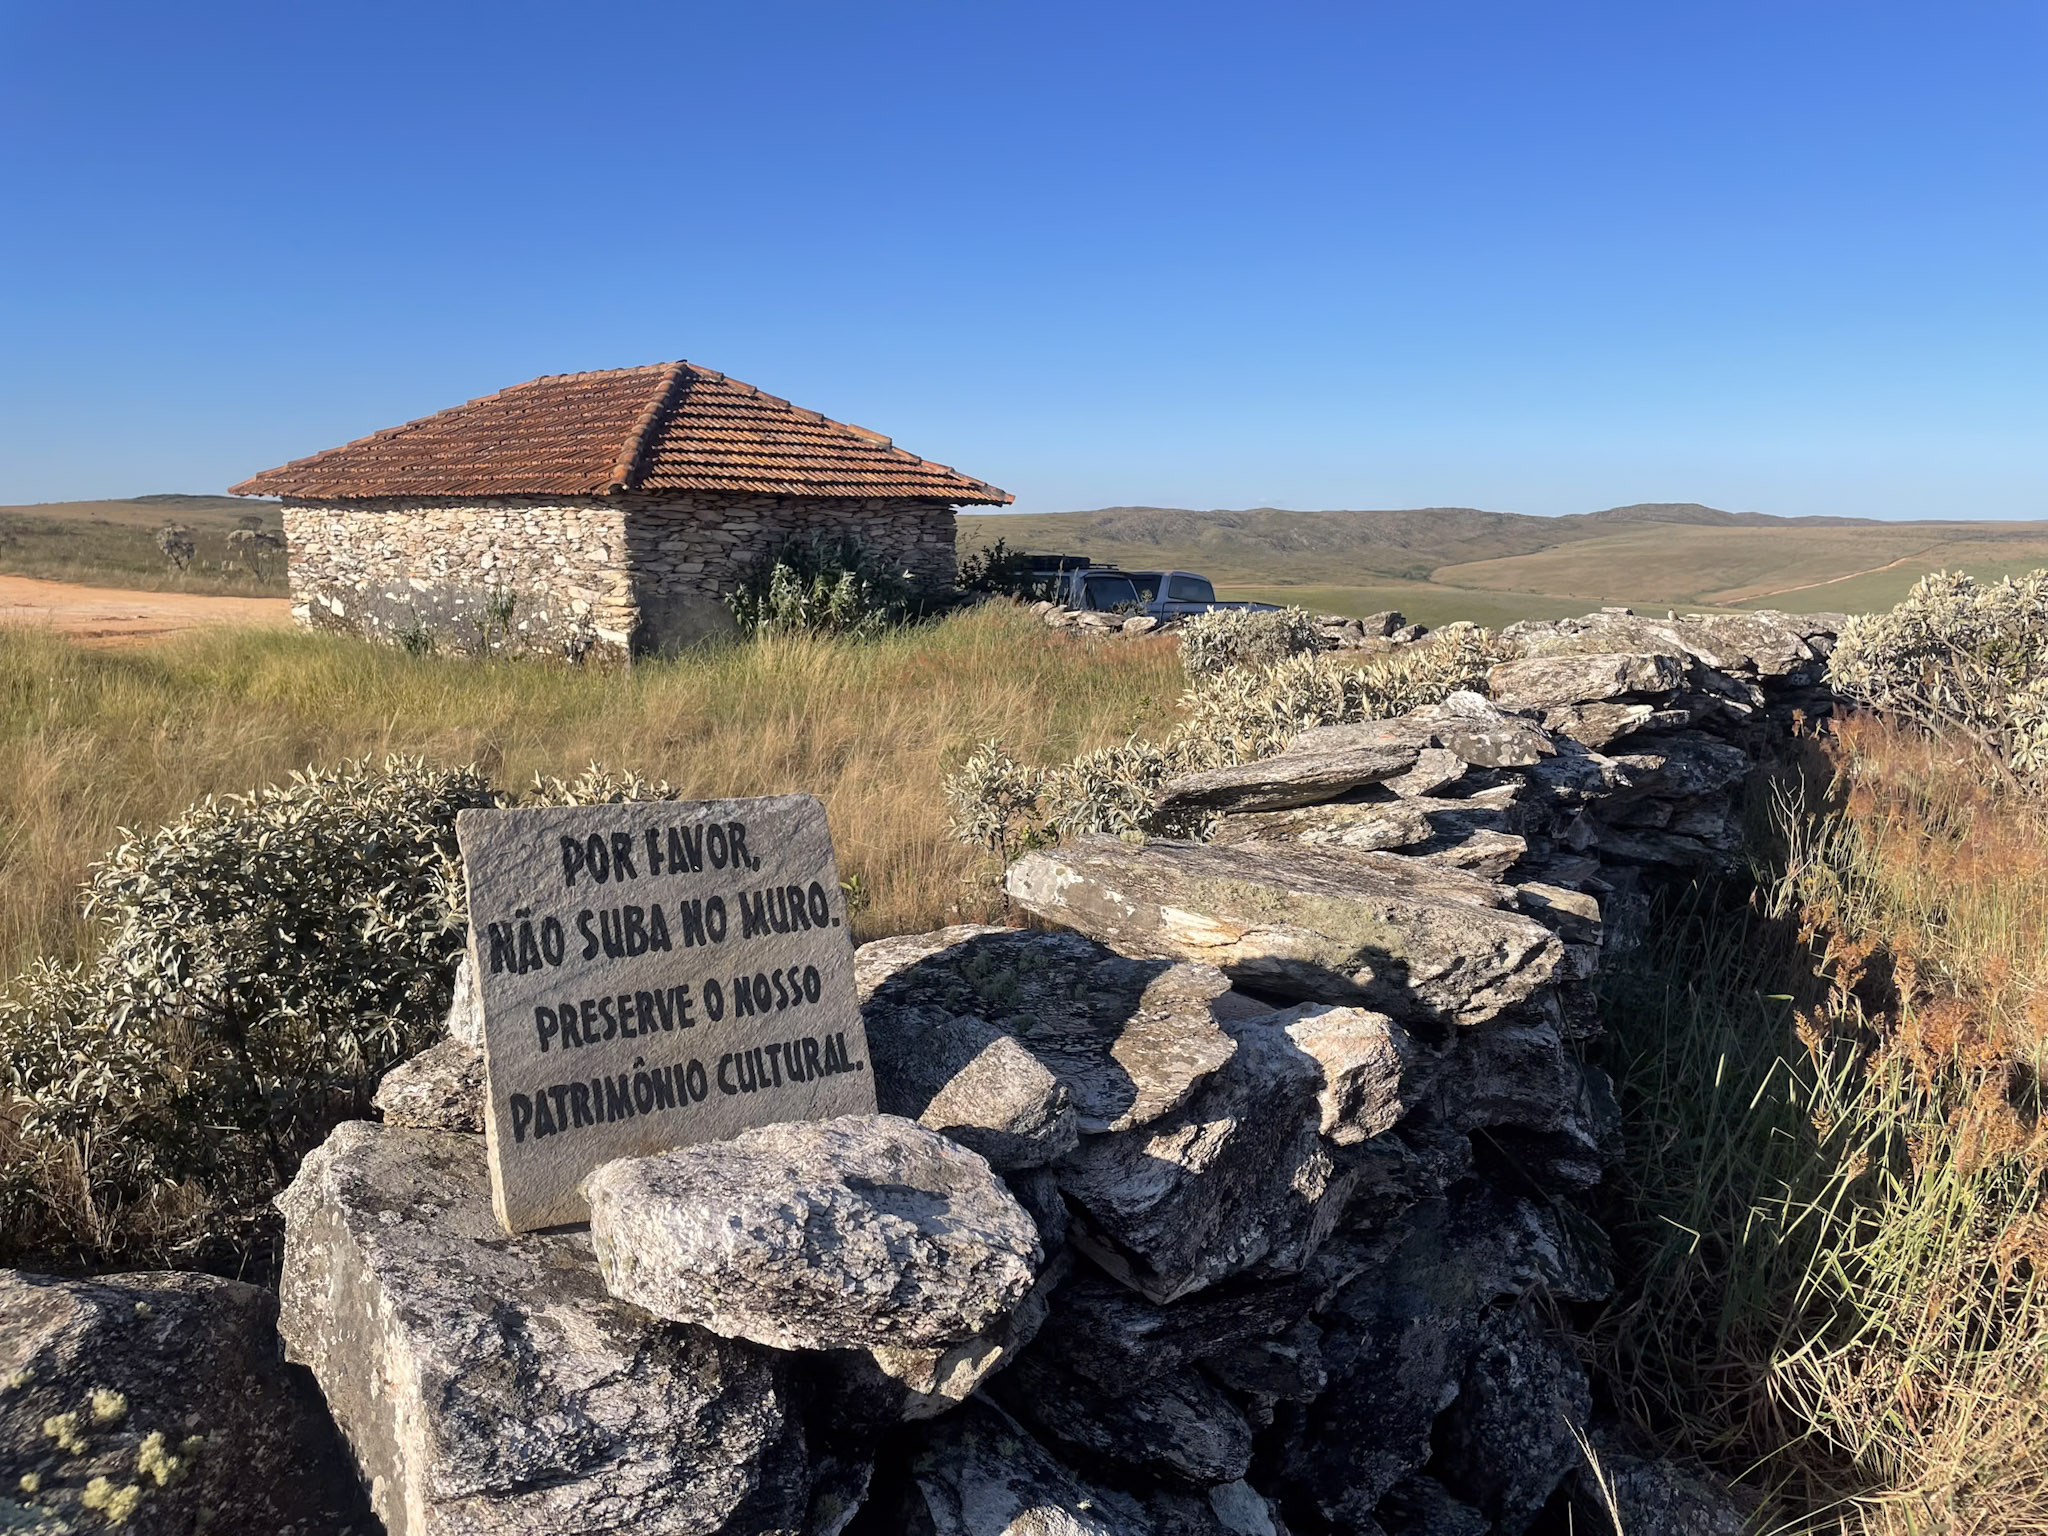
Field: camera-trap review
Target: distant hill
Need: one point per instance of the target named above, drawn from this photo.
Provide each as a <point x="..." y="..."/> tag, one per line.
<point x="1691" y="512"/>
<point x="1439" y="562"/>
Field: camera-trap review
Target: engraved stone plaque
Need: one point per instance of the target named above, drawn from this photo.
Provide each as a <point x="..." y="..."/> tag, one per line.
<point x="654" y="974"/>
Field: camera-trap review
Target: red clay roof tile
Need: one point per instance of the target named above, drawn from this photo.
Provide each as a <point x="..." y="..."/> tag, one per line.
<point x="667" y="427"/>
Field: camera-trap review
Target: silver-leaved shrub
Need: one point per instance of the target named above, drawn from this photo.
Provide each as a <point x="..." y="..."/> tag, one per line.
<point x="262" y="960"/>
<point x="1959" y="658"/>
<point x="1211" y="643"/>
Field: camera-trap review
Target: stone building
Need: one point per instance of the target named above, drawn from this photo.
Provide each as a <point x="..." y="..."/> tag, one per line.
<point x="598" y="512"/>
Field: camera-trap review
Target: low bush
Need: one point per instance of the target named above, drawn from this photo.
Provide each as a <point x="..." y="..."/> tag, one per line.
<point x="1960" y="658"/>
<point x="822" y="586"/>
<point x="263" y="959"/>
<point x="1213" y="643"/>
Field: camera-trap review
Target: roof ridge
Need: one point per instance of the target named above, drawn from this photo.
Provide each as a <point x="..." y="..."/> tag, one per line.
<point x="632" y="460"/>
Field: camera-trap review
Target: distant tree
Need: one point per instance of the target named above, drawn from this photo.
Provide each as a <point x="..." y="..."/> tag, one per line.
<point x="175" y="540"/>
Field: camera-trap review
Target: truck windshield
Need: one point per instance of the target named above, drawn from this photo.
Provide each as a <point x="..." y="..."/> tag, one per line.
<point x="1110" y="592"/>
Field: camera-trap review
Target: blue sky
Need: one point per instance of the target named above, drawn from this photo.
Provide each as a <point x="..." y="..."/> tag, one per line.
<point x="1786" y="257"/>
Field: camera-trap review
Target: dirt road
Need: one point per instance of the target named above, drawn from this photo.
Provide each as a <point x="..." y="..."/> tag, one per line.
<point x="113" y="616"/>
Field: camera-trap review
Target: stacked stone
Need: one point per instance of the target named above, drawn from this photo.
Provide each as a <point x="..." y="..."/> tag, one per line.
<point x="575" y="575"/>
<point x="1377" y="633"/>
<point x="1244" y="1204"/>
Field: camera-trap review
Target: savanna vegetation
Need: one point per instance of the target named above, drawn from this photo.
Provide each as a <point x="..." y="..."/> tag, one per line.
<point x="1828" y="1224"/>
<point x="203" y="544"/>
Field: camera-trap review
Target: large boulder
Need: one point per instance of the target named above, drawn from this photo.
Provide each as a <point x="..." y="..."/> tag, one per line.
<point x="158" y="1403"/>
<point x="1108" y="1332"/>
<point x="1237" y="1182"/>
<point x="490" y="1386"/>
<point x="1407" y="938"/>
<point x="862" y="1232"/>
<point x="1128" y="1039"/>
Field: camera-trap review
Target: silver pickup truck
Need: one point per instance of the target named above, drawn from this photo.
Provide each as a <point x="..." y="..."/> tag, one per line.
<point x="1161" y="594"/>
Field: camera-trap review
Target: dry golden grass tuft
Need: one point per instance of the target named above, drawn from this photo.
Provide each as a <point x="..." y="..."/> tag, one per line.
<point x="1837" y="1233"/>
<point x="93" y="740"/>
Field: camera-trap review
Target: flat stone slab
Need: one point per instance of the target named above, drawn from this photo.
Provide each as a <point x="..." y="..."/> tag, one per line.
<point x="1129" y="1039"/>
<point x="489" y="1386"/>
<point x="1541" y="683"/>
<point x="1398" y="935"/>
<point x="864" y="1232"/>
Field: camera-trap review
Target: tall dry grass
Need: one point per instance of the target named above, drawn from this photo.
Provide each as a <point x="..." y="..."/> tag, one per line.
<point x="92" y="740"/>
<point x="1832" y="1212"/>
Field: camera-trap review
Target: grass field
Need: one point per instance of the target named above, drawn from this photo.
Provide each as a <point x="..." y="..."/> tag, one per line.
<point x="113" y="543"/>
<point x="92" y="739"/>
<point x="1440" y="564"/>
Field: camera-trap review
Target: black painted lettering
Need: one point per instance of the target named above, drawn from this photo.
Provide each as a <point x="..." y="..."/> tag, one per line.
<point x="572" y="862"/>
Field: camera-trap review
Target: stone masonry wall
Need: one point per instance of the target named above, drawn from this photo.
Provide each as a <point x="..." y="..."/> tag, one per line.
<point x="572" y="575"/>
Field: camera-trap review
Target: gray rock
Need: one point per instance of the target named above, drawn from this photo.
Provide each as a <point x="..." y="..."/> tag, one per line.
<point x="1238" y="1182"/>
<point x="1481" y="851"/>
<point x="1600" y="725"/>
<point x="1653" y="1496"/>
<point x="967" y="1080"/>
<point x="1228" y="1509"/>
<point x="981" y="1474"/>
<point x="1422" y="1506"/>
<point x="1313" y="768"/>
<point x="929" y="1382"/>
<point x="1508" y="1440"/>
<point x="1403" y="1318"/>
<point x="1371" y="929"/>
<point x="1572" y="915"/>
<point x="862" y="1232"/>
<point x="1366" y="828"/>
<point x="488" y="1384"/>
<point x="1129" y="1039"/>
<point x="1684" y="765"/>
<point x="1287" y="1367"/>
<point x="1373" y="1071"/>
<point x="1480" y="734"/>
<point x="1176" y="1425"/>
<point x="441" y="1089"/>
<point x="1435" y="768"/>
<point x="1541" y="683"/>
<point x="466" y="1010"/>
<point x="1765" y="644"/>
<point x="1115" y="1336"/>
<point x="169" y="1387"/>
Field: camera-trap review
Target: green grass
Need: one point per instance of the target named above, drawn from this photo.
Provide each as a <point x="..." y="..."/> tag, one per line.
<point x="1420" y="602"/>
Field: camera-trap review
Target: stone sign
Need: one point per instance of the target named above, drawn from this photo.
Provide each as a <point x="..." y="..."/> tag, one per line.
<point x="654" y="974"/>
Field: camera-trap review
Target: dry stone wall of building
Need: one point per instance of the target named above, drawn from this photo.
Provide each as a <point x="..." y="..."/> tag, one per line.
<point x="573" y="576"/>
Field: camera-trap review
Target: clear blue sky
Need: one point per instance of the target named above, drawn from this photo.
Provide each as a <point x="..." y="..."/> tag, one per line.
<point x="1544" y="257"/>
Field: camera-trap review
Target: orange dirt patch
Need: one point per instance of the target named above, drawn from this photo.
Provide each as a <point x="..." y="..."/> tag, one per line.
<point x="114" y="616"/>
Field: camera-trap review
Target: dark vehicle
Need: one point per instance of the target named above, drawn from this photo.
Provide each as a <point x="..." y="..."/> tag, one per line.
<point x="1073" y="581"/>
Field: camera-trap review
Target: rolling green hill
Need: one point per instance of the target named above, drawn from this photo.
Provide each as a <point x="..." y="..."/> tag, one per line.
<point x="1441" y="563"/>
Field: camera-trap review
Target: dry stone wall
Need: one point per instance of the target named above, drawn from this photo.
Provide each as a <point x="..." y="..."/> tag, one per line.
<point x="577" y="575"/>
<point x="1246" y="1201"/>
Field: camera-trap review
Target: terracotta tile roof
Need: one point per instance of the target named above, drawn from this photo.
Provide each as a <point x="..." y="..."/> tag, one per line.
<point x="668" y="427"/>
